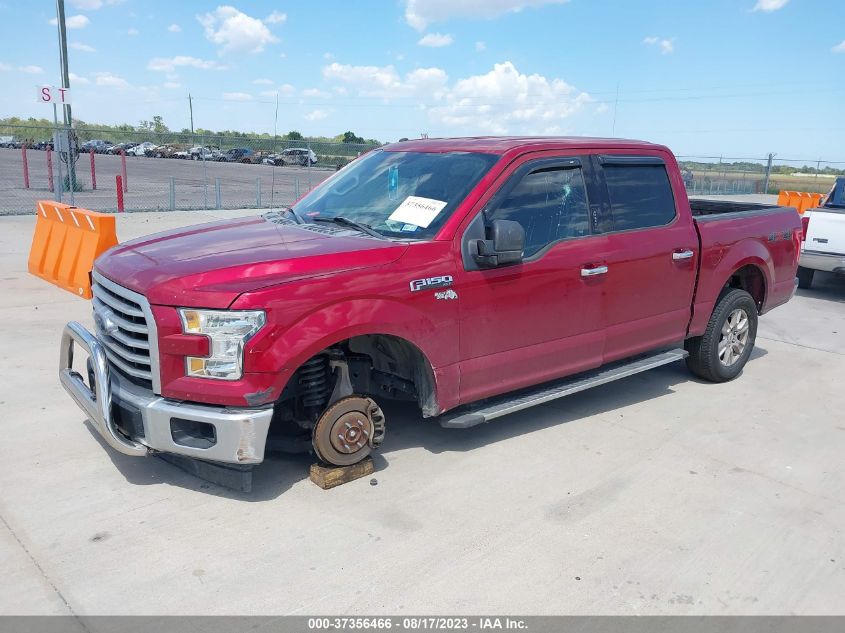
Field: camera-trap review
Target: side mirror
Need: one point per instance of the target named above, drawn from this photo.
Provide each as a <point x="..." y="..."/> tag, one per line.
<point x="504" y="244"/>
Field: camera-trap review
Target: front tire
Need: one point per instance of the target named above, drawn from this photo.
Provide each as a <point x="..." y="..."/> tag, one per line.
<point x="805" y="277"/>
<point x="722" y="351"/>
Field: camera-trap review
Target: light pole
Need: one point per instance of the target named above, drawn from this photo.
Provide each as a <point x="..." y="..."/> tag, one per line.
<point x="66" y="111"/>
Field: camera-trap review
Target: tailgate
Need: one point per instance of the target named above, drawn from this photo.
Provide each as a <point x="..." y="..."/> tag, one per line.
<point x="826" y="232"/>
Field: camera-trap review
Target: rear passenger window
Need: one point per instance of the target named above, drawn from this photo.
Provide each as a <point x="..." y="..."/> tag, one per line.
<point x="549" y="203"/>
<point x="640" y="196"/>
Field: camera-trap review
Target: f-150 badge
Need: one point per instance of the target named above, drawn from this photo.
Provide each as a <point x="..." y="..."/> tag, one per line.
<point x="443" y="281"/>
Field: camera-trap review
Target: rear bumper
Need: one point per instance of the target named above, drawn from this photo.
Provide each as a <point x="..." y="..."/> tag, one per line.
<point x="238" y="437"/>
<point x="831" y="262"/>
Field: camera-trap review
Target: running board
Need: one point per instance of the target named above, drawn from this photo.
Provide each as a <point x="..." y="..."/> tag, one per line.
<point x="509" y="403"/>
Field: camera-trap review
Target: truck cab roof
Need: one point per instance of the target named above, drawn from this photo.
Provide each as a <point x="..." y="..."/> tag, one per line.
<point x="503" y="144"/>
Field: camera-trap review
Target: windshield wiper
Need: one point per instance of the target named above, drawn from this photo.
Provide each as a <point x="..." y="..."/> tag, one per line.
<point x="363" y="228"/>
<point x="295" y="215"/>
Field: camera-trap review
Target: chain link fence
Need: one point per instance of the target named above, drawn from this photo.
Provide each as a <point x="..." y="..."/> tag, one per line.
<point x="718" y="175"/>
<point x="148" y="171"/>
<point x="171" y="170"/>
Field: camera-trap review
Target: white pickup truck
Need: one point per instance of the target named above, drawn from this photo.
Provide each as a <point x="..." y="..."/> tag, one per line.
<point x="823" y="247"/>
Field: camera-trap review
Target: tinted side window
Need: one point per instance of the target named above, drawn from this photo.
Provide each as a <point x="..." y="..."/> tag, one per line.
<point x="550" y="204"/>
<point x="640" y="196"/>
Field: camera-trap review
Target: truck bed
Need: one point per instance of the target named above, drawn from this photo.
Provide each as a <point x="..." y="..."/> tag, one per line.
<point x="703" y="208"/>
<point x="735" y="233"/>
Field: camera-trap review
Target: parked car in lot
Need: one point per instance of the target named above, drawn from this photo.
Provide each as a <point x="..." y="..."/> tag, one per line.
<point x="298" y="156"/>
<point x="141" y="149"/>
<point x="474" y="277"/>
<point x="169" y="150"/>
<point x="823" y="247"/>
<point x="116" y="149"/>
<point x="207" y="152"/>
<point x="99" y="146"/>
<point x="237" y="155"/>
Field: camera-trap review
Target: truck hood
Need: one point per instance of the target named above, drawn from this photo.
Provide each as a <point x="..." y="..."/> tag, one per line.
<point x="209" y="265"/>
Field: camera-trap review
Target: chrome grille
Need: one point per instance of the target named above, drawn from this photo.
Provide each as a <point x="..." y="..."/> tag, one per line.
<point x="125" y="325"/>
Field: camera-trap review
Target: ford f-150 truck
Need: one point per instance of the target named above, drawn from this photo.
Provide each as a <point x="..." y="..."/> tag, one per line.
<point x="473" y="276"/>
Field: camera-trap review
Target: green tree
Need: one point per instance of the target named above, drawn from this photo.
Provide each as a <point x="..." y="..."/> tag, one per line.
<point x="349" y="137"/>
<point x="293" y="135"/>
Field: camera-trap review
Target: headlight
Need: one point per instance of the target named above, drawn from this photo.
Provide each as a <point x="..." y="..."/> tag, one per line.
<point x="228" y="331"/>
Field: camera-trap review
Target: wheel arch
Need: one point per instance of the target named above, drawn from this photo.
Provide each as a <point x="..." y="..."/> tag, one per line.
<point x="747" y="266"/>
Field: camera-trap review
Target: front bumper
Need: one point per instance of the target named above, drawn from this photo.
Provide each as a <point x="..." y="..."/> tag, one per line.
<point x="830" y="262"/>
<point x="239" y="435"/>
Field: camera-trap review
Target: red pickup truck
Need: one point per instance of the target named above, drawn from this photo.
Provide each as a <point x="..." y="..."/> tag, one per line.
<point x="474" y="276"/>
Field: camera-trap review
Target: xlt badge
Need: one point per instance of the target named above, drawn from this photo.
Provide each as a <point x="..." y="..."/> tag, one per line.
<point x="431" y="282"/>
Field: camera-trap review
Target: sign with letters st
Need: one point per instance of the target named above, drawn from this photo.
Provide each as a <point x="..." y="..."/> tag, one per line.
<point x="53" y="95"/>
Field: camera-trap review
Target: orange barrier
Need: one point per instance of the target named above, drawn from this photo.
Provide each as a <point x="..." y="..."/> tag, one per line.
<point x="801" y="200"/>
<point x="66" y="242"/>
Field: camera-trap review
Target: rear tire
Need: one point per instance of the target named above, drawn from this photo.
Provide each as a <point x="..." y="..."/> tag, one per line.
<point x="805" y="277"/>
<point x="722" y="351"/>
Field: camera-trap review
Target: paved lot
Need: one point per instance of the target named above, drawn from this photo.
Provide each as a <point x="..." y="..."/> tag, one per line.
<point x="659" y="494"/>
<point x="149" y="183"/>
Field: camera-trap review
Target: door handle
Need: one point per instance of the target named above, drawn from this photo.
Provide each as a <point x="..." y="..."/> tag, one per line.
<point x="684" y="253"/>
<point x="590" y="272"/>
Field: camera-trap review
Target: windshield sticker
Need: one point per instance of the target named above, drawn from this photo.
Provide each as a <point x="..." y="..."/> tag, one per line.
<point x="419" y="211"/>
<point x="393" y="182"/>
<point x="409" y="228"/>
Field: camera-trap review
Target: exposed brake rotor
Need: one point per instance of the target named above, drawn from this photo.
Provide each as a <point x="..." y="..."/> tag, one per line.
<point x="348" y="430"/>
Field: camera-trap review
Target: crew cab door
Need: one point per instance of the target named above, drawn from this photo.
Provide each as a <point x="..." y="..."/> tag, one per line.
<point x="651" y="256"/>
<point x="524" y="323"/>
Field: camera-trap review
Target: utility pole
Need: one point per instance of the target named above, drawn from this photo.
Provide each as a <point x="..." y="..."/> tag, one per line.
<point x="66" y="111"/>
<point x="768" y="173"/>
<point x="191" y="109"/>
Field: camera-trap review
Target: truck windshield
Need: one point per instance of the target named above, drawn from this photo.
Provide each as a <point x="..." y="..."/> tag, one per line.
<point x="399" y="194"/>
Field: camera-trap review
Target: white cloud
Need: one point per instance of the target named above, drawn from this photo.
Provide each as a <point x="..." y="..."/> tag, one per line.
<point x="78" y="79"/>
<point x="435" y="40"/>
<point x="277" y="17"/>
<point x="666" y="45"/>
<point x="263" y="82"/>
<point x="420" y="13"/>
<point x="328" y="56"/>
<point x="237" y="96"/>
<point x="314" y="92"/>
<point x="110" y="80"/>
<point x="31" y="70"/>
<point x="316" y="115"/>
<point x="480" y="46"/>
<point x="5" y="67"/>
<point x="170" y="64"/>
<point x="505" y="101"/>
<point x="286" y="89"/>
<point x="73" y="22"/>
<point x="384" y="81"/>
<point x="235" y="32"/>
<point x="79" y="46"/>
<point x="769" y="5"/>
<point x="839" y="48"/>
<point x="171" y="84"/>
<point x="174" y="28"/>
<point x="132" y="32"/>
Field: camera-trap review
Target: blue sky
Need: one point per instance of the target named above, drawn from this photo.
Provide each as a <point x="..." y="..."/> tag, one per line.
<point x="706" y="77"/>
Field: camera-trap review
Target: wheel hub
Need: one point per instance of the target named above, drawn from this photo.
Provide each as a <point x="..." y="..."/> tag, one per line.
<point x="351" y="432"/>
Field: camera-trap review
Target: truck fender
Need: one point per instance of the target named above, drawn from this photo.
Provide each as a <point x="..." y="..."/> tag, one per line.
<point x="719" y="264"/>
<point x="340" y="321"/>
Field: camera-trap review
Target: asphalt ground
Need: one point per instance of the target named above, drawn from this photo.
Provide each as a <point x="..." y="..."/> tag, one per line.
<point x="658" y="494"/>
<point x="149" y="183"/>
